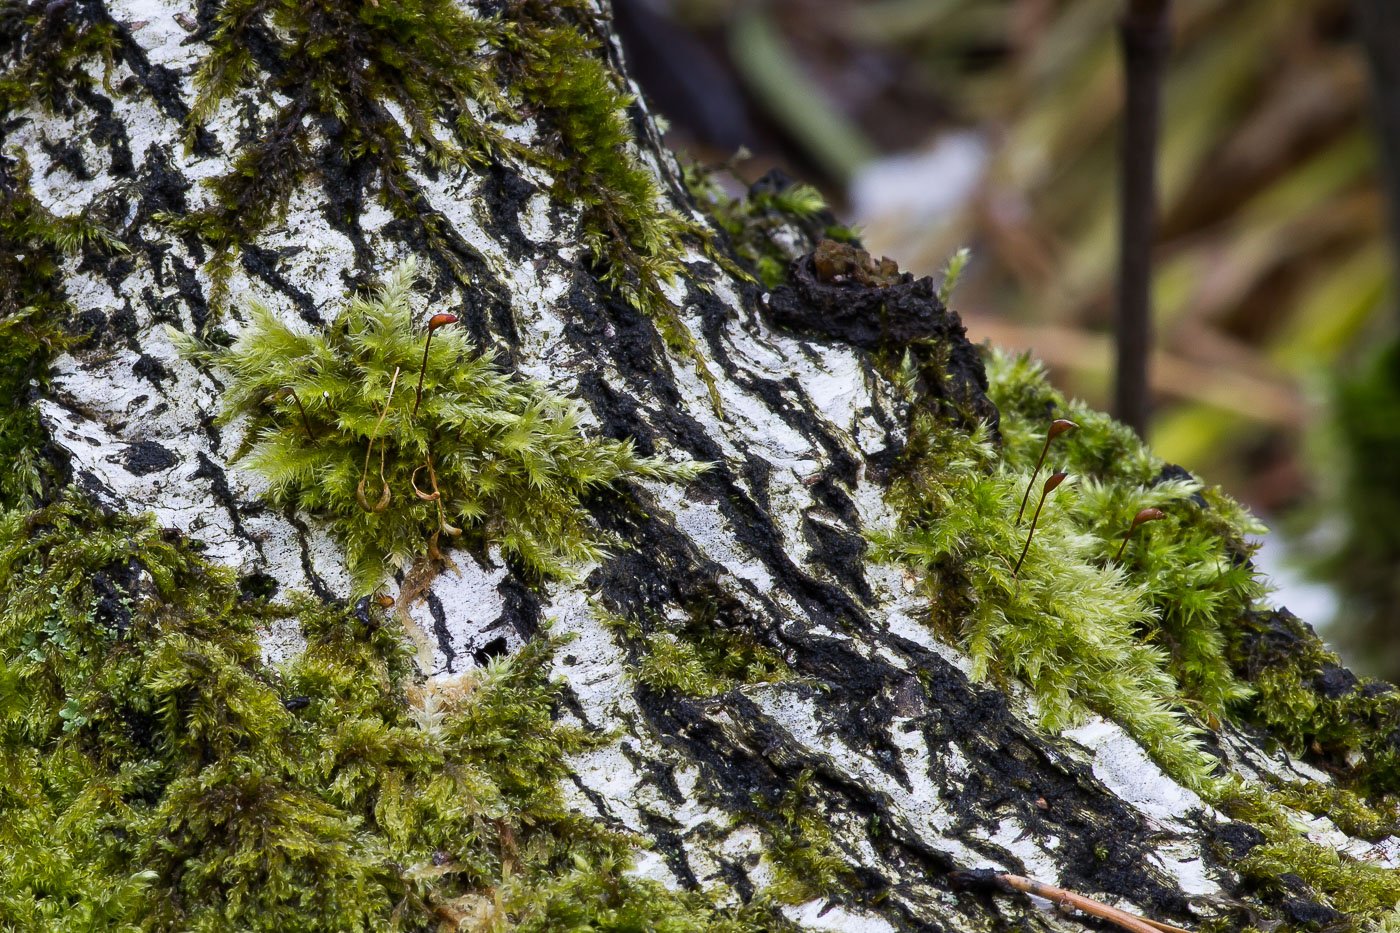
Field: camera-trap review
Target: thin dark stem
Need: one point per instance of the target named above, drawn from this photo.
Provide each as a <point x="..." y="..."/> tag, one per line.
<point x="421" y="373"/>
<point x="1141" y="518"/>
<point x="1122" y="547"/>
<point x="1031" y="534"/>
<point x="1146" y="34"/>
<point x="306" y="422"/>
<point x="1379" y="27"/>
<point x="1026" y="498"/>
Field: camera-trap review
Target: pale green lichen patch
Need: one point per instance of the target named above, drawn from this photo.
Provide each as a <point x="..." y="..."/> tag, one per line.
<point x="338" y="427"/>
<point x="159" y="777"/>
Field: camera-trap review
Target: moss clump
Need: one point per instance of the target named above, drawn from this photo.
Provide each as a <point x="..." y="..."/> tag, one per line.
<point x="696" y="656"/>
<point x="1141" y="640"/>
<point x="1304" y="882"/>
<point x="776" y="222"/>
<point x="1307" y="701"/>
<point x="1193" y="566"/>
<point x="338" y="428"/>
<point x="160" y="777"/>
<point x="1069" y="624"/>
<point x="803" y="858"/>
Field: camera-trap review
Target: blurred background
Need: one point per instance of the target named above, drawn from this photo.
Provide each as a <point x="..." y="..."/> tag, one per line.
<point x="930" y="125"/>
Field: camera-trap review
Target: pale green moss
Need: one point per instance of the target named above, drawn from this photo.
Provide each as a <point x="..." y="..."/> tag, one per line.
<point x="695" y="657"/>
<point x="338" y="428"/>
<point x="801" y="853"/>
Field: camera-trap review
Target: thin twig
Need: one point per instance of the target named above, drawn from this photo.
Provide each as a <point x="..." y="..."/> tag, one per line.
<point x="983" y="878"/>
<point x="1089" y="906"/>
<point x="1146" y="35"/>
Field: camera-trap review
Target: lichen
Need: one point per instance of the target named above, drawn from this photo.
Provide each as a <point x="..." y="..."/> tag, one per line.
<point x="159" y="776"/>
<point x="339" y="427"/>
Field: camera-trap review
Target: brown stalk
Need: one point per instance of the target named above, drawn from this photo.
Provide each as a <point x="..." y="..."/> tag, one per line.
<point x="1057" y="427"/>
<point x="384" y="496"/>
<point x="1051" y="482"/>
<point x="1142" y="517"/>
<point x="306" y="422"/>
<point x="434" y="322"/>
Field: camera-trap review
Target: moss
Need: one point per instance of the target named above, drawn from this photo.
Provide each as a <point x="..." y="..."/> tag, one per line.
<point x="801" y="853"/>
<point x="344" y="62"/>
<point x="774" y="223"/>
<point x="1069" y="623"/>
<point x="1302" y="882"/>
<point x="1141" y="640"/>
<point x="48" y="46"/>
<point x="33" y="314"/>
<point x="161" y="777"/>
<point x="339" y="428"/>
<point x="1308" y="702"/>
<point x="1165" y="639"/>
<point x="695" y="656"/>
<point x="1193" y="565"/>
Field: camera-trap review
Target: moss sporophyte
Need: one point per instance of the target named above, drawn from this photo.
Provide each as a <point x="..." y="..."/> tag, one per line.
<point x="476" y="452"/>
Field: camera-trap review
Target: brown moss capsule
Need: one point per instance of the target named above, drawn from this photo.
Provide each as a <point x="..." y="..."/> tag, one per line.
<point x="384" y="497"/>
<point x="1142" y="517"/>
<point x="1057" y="427"/>
<point x="434" y="322"/>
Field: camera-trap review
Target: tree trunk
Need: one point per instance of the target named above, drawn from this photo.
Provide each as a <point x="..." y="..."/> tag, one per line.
<point x="844" y="782"/>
